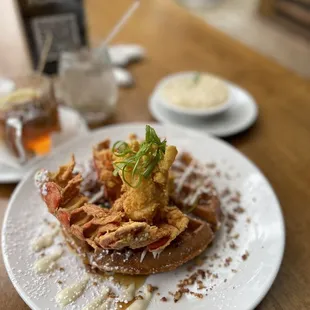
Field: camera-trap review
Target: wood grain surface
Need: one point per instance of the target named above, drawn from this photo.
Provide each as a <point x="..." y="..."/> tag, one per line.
<point x="278" y="143"/>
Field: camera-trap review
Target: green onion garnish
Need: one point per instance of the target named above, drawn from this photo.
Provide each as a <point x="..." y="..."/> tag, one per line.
<point x="196" y="77"/>
<point x="135" y="165"/>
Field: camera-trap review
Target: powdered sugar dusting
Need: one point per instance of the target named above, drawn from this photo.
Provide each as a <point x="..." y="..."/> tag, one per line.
<point x="44" y="189"/>
<point x="40" y="178"/>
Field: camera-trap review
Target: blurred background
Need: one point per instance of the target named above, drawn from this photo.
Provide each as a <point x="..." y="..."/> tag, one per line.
<point x="277" y="28"/>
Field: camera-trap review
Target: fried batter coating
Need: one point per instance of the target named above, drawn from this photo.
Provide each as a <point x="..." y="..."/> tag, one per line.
<point x="143" y="203"/>
<point x="102" y="156"/>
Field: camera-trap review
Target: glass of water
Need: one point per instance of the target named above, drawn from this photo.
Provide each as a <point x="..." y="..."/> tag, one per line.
<point x="87" y="84"/>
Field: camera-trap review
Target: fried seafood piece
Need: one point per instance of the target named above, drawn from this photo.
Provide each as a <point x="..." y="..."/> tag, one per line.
<point x="100" y="227"/>
<point x="103" y="162"/>
<point x="102" y="156"/>
<point x="140" y="203"/>
<point x="143" y="202"/>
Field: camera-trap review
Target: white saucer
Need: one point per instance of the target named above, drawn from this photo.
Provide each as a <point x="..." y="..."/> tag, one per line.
<point x="72" y="125"/>
<point x="240" y="116"/>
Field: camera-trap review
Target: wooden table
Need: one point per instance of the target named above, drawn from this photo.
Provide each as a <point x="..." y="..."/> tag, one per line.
<point x="279" y="142"/>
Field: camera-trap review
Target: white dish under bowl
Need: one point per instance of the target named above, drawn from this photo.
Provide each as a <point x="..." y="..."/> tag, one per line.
<point x="191" y="112"/>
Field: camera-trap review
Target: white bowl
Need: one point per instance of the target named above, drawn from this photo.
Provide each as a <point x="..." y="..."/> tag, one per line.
<point x="198" y="112"/>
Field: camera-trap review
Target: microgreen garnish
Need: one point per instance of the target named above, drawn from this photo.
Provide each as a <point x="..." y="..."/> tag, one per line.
<point x="196" y="77"/>
<point x="135" y="165"/>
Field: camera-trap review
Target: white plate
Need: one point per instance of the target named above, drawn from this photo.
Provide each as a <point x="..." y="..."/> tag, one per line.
<point x="263" y="237"/>
<point x="72" y="124"/>
<point x="241" y="115"/>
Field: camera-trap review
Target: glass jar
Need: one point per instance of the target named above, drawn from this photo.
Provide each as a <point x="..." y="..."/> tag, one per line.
<point x="28" y="115"/>
<point x="87" y="84"/>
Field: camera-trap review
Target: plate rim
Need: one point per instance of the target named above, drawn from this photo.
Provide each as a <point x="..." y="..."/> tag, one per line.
<point x="276" y="267"/>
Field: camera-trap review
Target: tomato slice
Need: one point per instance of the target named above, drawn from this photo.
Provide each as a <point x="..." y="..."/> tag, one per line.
<point x="64" y="218"/>
<point x="51" y="196"/>
<point x="157" y="244"/>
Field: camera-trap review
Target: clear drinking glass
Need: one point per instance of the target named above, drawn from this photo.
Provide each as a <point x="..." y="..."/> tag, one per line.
<point x="87" y="84"/>
<point x="28" y="115"/>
